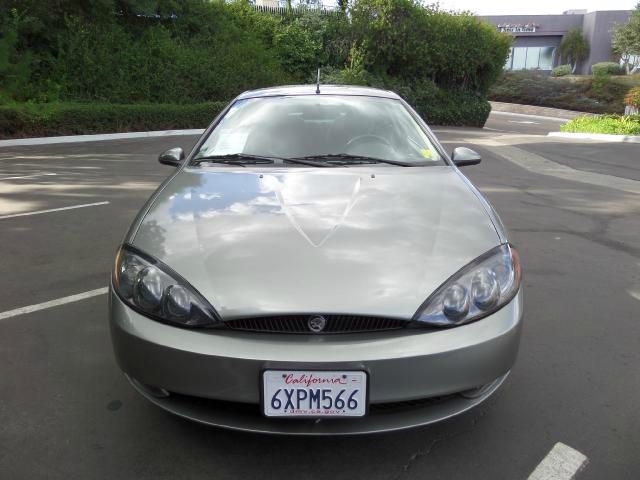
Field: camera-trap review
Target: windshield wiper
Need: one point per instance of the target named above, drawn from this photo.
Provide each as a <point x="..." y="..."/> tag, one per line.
<point x="243" y="159"/>
<point x="240" y="159"/>
<point x="351" y="159"/>
<point x="306" y="161"/>
<point x="322" y="160"/>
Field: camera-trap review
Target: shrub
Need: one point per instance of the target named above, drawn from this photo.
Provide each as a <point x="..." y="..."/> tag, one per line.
<point x="561" y="71"/>
<point x="608" y="124"/>
<point x="530" y="88"/>
<point x="28" y="120"/>
<point x="604" y="89"/>
<point x="599" y="83"/>
<point x="300" y="47"/>
<point x="195" y="51"/>
<point x="403" y="38"/>
<point x="610" y="68"/>
<point x="436" y="105"/>
<point x="109" y="63"/>
<point x="439" y="106"/>
<point x="632" y="98"/>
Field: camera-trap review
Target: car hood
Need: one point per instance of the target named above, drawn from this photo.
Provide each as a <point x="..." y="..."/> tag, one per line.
<point x="374" y="241"/>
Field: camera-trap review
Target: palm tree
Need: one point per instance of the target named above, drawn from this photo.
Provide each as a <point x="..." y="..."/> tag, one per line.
<point x="574" y="47"/>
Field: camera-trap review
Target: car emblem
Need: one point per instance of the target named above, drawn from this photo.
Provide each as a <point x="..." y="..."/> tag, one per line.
<point x="316" y="323"/>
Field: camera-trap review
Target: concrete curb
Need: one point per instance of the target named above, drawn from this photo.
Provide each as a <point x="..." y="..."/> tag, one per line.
<point x="527" y="115"/>
<point x="597" y="136"/>
<point x="18" y="142"/>
<point x="535" y="110"/>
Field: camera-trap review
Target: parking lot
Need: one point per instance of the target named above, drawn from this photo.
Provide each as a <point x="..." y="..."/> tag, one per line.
<point x="66" y="411"/>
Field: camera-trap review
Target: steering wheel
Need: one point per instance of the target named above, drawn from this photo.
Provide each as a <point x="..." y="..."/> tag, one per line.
<point x="366" y="138"/>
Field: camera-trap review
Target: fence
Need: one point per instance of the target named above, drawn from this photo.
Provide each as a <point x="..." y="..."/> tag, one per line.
<point x="283" y="9"/>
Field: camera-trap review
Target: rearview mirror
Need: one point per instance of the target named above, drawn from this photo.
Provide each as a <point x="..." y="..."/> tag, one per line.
<point x="463" y="156"/>
<point x="173" y="157"/>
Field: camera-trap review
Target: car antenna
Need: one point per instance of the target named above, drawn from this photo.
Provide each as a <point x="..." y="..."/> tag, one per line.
<point x="318" y="82"/>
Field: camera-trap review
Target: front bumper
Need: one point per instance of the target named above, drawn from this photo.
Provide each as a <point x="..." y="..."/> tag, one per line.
<point x="214" y="375"/>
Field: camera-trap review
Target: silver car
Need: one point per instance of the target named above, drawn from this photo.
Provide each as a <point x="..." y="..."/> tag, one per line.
<point x="317" y="264"/>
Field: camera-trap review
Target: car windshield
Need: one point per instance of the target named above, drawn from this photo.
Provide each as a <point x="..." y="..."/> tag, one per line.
<point x="323" y="129"/>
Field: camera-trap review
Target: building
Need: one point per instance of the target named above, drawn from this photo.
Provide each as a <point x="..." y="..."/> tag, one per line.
<point x="537" y="37"/>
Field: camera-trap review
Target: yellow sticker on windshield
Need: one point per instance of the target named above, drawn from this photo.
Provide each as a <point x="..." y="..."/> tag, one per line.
<point x="426" y="153"/>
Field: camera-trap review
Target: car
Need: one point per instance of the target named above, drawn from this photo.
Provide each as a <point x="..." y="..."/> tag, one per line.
<point x="317" y="265"/>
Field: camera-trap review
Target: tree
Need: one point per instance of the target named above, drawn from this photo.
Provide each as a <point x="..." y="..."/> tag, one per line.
<point x="574" y="47"/>
<point x="626" y="41"/>
<point x="412" y="40"/>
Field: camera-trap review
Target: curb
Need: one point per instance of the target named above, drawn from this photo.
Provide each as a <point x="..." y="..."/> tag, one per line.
<point x="18" y="142"/>
<point x="535" y="110"/>
<point x="603" y="137"/>
<point x="527" y="115"/>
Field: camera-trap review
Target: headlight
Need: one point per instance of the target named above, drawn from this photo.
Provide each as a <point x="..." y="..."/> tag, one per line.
<point x="153" y="289"/>
<point x="479" y="289"/>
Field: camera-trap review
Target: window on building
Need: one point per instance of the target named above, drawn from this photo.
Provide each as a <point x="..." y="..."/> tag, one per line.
<point x="507" y="64"/>
<point x="530" y="58"/>
<point x="533" y="58"/>
<point x="519" y="58"/>
<point x="546" y="58"/>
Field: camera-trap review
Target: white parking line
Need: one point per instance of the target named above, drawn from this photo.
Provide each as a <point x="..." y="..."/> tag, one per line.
<point x="53" y="303"/>
<point x="28" y="176"/>
<point x="38" y="212"/>
<point x="561" y="463"/>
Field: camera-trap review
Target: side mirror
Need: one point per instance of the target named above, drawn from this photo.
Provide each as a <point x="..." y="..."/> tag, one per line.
<point x="463" y="156"/>
<point x="173" y="157"/>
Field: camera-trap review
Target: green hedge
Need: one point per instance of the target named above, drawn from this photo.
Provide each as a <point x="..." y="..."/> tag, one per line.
<point x="610" y="68"/>
<point x="561" y="71"/>
<point x="454" y="107"/>
<point x="194" y="51"/>
<point x="598" y="94"/>
<point x="37" y="120"/>
<point x="436" y="105"/>
<point x="609" y="124"/>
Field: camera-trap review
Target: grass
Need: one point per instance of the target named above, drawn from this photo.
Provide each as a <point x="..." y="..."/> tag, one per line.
<point x="608" y="124"/>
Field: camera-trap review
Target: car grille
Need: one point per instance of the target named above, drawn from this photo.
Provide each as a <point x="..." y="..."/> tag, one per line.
<point x="374" y="408"/>
<point x="300" y="324"/>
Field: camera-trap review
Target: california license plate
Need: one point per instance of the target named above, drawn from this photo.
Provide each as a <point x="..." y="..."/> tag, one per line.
<point x="314" y="394"/>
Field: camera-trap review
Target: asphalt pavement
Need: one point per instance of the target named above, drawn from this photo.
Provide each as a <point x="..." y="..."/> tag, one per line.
<point x="67" y="412"/>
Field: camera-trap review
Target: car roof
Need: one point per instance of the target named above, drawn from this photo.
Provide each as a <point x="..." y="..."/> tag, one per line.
<point x="324" y="90"/>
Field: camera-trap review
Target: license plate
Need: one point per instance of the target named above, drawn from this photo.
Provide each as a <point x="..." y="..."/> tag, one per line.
<point x="314" y="394"/>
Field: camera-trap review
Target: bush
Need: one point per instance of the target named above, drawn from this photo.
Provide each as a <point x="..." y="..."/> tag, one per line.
<point x="605" y="90"/>
<point x="32" y="120"/>
<point x="436" y="105"/>
<point x="195" y="51"/>
<point x="608" y="124"/>
<point x="439" y="106"/>
<point x="561" y="71"/>
<point x="404" y="39"/>
<point x="110" y="63"/>
<point x="632" y="98"/>
<point x="595" y="95"/>
<point x="610" y="68"/>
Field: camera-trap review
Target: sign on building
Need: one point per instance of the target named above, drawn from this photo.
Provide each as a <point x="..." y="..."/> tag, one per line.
<point x="517" y="27"/>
